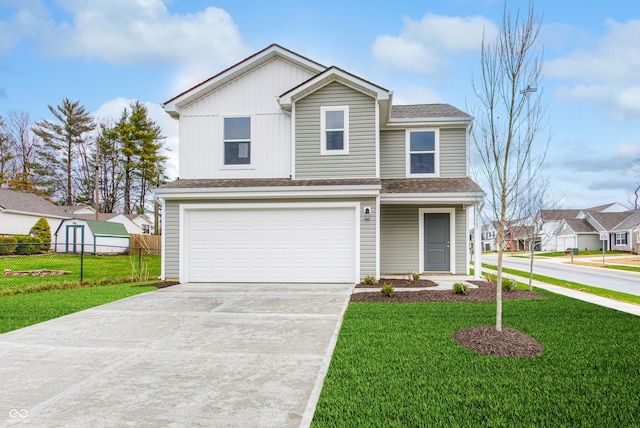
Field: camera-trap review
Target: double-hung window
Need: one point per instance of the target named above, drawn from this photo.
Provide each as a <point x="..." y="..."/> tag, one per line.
<point x="422" y="152"/>
<point x="334" y="124"/>
<point x="237" y="140"/>
<point x="621" y="239"/>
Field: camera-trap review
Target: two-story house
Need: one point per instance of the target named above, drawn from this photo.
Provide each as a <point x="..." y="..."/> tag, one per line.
<point x="291" y="171"/>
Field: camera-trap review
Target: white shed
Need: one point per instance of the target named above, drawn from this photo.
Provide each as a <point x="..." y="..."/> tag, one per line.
<point x="98" y="237"/>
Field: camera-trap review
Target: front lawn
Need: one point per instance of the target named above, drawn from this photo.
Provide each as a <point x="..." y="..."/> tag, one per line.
<point x="581" y="253"/>
<point x="396" y="365"/>
<point x="22" y="310"/>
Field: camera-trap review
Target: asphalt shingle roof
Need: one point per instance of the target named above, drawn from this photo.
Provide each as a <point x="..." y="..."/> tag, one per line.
<point x="425" y="110"/>
<point x="557" y="215"/>
<point x="99" y="227"/>
<point x="28" y="202"/>
<point x="610" y="220"/>
<point x="579" y="225"/>
<point x="430" y="185"/>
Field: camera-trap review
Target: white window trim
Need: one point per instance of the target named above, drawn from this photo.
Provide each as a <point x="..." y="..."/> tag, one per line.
<point x="223" y="165"/>
<point x="618" y="238"/>
<point x="452" y="236"/>
<point x="436" y="156"/>
<point x="323" y="130"/>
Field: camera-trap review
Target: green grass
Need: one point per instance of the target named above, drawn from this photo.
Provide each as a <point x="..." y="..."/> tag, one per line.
<point x="396" y="365"/>
<point x="94" y="268"/>
<point x="621" y="267"/>
<point x="581" y="253"/>
<point x="22" y="310"/>
<point x="603" y="292"/>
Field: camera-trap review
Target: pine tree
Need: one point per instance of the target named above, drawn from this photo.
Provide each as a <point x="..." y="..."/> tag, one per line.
<point x="61" y="143"/>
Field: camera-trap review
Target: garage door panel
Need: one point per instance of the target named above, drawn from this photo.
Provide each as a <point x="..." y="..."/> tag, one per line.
<point x="275" y="244"/>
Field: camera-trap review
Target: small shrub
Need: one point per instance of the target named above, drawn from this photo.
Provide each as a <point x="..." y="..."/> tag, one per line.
<point x="415" y="276"/>
<point x="42" y="231"/>
<point x="460" y="288"/>
<point x="387" y="290"/>
<point x="370" y="280"/>
<point x="508" y="284"/>
<point x="27" y="245"/>
<point x="7" y="245"/>
<point x="6" y="292"/>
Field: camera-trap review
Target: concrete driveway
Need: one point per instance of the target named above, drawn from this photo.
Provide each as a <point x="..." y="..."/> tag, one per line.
<point x="189" y="355"/>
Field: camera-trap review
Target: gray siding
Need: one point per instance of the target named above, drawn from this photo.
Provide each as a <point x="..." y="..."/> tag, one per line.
<point x="453" y="152"/>
<point x="172" y="240"/>
<point x="400" y="240"/>
<point x="367" y="231"/>
<point x="361" y="160"/>
<point x="393" y="154"/>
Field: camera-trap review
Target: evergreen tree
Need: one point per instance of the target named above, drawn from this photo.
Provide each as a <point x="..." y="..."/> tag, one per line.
<point x="61" y="141"/>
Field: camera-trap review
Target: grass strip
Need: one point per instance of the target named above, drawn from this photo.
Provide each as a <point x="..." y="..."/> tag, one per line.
<point x="396" y="365"/>
<point x="603" y="292"/>
<point x="621" y="267"/>
<point x="22" y="310"/>
<point x="582" y="253"/>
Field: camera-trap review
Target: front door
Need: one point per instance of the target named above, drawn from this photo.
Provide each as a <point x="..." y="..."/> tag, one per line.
<point x="436" y="242"/>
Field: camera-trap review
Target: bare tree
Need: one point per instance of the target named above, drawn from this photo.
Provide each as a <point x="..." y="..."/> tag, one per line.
<point x="25" y="149"/>
<point x="6" y="152"/>
<point x="635" y="199"/>
<point x="508" y="122"/>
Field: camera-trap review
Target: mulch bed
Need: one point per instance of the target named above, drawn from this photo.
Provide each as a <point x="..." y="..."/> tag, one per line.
<point x="506" y="343"/>
<point x="163" y="284"/>
<point x="486" y="292"/>
<point x="482" y="339"/>
<point x="400" y="283"/>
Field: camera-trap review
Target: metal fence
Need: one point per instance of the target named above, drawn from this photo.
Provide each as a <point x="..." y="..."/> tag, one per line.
<point x="44" y="266"/>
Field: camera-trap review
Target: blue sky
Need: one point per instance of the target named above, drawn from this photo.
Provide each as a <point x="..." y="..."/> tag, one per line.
<point x="105" y="53"/>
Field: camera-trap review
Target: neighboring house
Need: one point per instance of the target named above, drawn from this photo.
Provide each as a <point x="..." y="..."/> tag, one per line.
<point x="291" y="171"/>
<point x="134" y="223"/>
<point x="559" y="232"/>
<point x="19" y="212"/>
<point x="585" y="230"/>
<point x="517" y="236"/>
<point x="97" y="236"/>
<point x="489" y="233"/>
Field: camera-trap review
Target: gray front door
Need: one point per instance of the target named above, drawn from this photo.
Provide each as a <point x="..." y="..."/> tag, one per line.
<point x="436" y="242"/>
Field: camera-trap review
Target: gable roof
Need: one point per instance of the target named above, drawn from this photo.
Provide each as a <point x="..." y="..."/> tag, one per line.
<point x="609" y="220"/>
<point x="173" y="105"/>
<point x="12" y="200"/>
<point x="107" y="228"/>
<point x="579" y="225"/>
<point x="329" y="75"/>
<point x="557" y="215"/>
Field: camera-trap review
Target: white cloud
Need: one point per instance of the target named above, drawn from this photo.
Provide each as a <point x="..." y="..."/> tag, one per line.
<point x="628" y="150"/>
<point x="416" y="95"/>
<point x="426" y="46"/>
<point x="606" y="74"/>
<point x="112" y="110"/>
<point x="30" y="17"/>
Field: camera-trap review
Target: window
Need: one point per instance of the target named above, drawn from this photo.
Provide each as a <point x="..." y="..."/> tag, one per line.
<point x="621" y="239"/>
<point x="422" y="152"/>
<point x="237" y="140"/>
<point x="334" y="124"/>
<point x="146" y="229"/>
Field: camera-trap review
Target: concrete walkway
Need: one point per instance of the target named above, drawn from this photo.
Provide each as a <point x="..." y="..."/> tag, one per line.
<point x="190" y="355"/>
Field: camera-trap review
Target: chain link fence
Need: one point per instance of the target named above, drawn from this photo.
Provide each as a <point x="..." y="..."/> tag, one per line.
<point x="29" y="267"/>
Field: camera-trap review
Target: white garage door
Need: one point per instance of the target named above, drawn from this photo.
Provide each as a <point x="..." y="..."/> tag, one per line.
<point x="271" y="245"/>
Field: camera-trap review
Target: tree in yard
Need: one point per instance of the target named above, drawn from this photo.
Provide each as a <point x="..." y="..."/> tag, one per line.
<point x="6" y="152"/>
<point x="42" y="231"/>
<point x="635" y="199"/>
<point x="62" y="141"/>
<point x="109" y="169"/>
<point x="26" y="147"/>
<point x="509" y="117"/>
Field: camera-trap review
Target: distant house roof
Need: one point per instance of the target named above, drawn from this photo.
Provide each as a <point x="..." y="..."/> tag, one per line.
<point x="557" y="215"/>
<point x="418" y="111"/>
<point x="631" y="222"/>
<point x="579" y="225"/>
<point x="610" y="221"/>
<point x="29" y="203"/>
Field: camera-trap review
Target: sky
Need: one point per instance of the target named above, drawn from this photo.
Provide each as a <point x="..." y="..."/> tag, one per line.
<point x="106" y="53"/>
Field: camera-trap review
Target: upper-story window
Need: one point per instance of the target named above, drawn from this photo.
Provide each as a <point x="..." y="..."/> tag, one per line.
<point x="422" y="152"/>
<point x="237" y="140"/>
<point x="334" y="128"/>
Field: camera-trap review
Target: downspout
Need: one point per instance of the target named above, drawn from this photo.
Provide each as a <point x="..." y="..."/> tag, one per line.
<point x="477" y="250"/>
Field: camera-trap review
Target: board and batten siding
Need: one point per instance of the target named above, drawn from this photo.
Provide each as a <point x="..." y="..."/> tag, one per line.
<point x="253" y="94"/>
<point x="400" y="239"/>
<point x="361" y="160"/>
<point x="453" y="153"/>
<point x="367" y="230"/>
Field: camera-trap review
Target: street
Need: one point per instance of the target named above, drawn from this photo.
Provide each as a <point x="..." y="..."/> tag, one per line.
<point x="623" y="281"/>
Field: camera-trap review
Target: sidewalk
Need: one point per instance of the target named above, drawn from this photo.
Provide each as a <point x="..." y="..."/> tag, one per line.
<point x="579" y="295"/>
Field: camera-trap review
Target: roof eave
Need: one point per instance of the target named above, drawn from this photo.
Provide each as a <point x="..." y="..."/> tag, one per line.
<point x="429" y="121"/>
